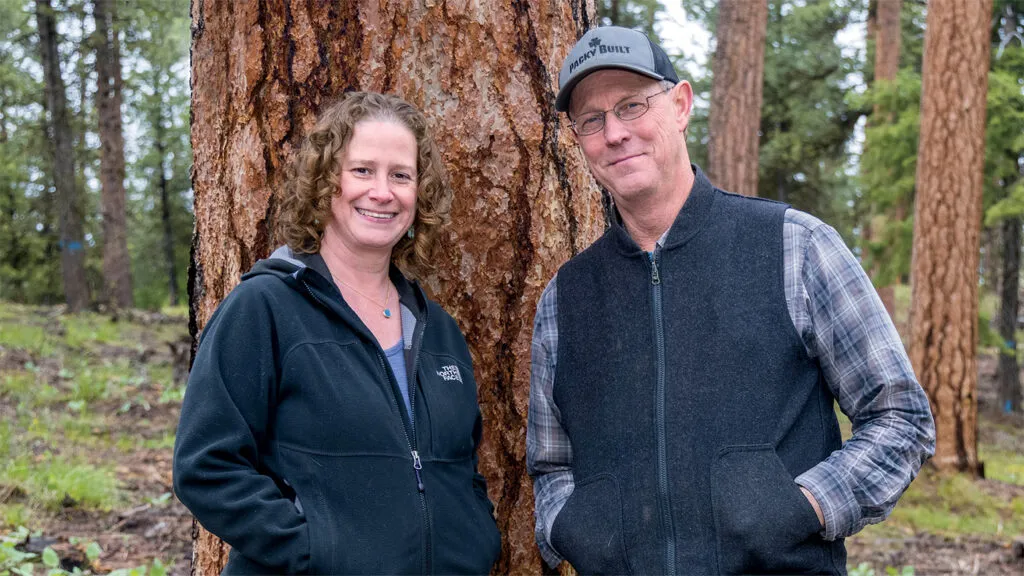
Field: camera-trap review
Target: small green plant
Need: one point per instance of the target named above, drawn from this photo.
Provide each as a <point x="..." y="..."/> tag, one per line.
<point x="12" y="560"/>
<point x="26" y="337"/>
<point x="865" y="569"/>
<point x="17" y="514"/>
<point x="160" y="501"/>
<point x="85" y="329"/>
<point x="1003" y="465"/>
<point x="55" y="483"/>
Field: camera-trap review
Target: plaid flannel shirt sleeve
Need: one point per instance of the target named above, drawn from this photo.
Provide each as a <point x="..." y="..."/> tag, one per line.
<point x="846" y="328"/>
<point x="548" y="450"/>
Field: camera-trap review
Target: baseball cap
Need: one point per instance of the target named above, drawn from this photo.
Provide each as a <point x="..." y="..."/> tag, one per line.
<point x="612" y="47"/>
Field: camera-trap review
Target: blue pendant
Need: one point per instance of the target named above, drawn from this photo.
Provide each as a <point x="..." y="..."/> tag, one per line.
<point x="387" y="312"/>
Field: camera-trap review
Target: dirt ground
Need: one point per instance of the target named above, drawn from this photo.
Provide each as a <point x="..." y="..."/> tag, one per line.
<point x="154" y="525"/>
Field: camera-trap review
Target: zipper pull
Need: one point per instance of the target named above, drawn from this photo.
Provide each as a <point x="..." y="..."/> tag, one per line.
<point x="417" y="466"/>
<point x="655" y="277"/>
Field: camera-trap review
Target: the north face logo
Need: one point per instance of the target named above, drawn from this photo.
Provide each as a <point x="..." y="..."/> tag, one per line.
<point x="450" y="373"/>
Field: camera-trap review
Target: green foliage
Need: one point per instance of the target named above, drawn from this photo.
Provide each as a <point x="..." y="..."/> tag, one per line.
<point x="954" y="505"/>
<point x="1003" y="465"/>
<point x="14" y="515"/>
<point x="14" y="561"/>
<point x="155" y="40"/>
<point x="865" y="569"/>
<point x="636" y="14"/>
<point x="806" y="121"/>
<point x="27" y="337"/>
<point x="157" y="34"/>
<point x="1004" y="138"/>
<point x="55" y="482"/>
<point x="65" y="406"/>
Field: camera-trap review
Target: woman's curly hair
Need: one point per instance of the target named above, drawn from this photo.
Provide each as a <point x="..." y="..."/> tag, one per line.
<point x="315" y="171"/>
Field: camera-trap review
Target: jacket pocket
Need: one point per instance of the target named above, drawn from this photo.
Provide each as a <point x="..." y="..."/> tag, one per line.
<point x="763" y="522"/>
<point x="588" y="529"/>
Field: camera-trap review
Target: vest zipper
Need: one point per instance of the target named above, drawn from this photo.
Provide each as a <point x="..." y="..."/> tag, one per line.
<point x="659" y="417"/>
<point x="410" y="436"/>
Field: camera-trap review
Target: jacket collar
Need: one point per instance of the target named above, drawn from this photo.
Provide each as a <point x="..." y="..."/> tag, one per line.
<point x="312" y="269"/>
<point x="688" y="222"/>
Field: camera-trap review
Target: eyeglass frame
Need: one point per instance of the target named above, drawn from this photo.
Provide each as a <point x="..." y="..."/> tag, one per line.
<point x="603" y="113"/>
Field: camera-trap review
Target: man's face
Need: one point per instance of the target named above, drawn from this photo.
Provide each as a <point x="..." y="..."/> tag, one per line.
<point x="635" y="157"/>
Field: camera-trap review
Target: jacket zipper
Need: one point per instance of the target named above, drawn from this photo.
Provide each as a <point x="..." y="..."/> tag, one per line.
<point x="410" y="435"/>
<point x="659" y="416"/>
<point x="417" y="339"/>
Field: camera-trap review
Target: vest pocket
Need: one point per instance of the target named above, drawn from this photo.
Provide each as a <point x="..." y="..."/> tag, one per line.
<point x="588" y="529"/>
<point x="764" y="524"/>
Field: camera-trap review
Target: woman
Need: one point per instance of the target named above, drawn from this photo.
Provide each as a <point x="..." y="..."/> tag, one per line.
<point x="331" y="423"/>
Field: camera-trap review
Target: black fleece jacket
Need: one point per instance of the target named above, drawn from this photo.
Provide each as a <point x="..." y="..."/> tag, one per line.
<point x="292" y="446"/>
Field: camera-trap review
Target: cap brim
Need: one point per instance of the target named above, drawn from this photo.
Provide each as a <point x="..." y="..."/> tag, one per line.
<point x="564" y="95"/>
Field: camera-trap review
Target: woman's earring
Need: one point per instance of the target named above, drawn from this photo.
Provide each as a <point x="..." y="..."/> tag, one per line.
<point x="411" y="233"/>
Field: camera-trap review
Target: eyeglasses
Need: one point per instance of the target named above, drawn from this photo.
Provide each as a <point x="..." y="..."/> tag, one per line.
<point x="629" y="109"/>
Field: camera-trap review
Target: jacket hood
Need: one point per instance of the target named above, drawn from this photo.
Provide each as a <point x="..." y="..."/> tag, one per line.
<point x="309" y="275"/>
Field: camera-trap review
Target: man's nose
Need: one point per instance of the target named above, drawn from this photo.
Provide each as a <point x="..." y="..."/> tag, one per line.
<point x="615" y="130"/>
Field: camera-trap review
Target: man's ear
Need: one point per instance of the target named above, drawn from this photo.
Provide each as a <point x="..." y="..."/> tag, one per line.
<point x="682" y="99"/>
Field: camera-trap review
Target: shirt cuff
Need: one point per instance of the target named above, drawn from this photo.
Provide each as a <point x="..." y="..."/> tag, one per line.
<point x="838" y="504"/>
<point x="542" y="532"/>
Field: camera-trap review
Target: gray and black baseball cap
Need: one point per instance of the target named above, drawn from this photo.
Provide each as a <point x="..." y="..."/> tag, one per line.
<point x="612" y="47"/>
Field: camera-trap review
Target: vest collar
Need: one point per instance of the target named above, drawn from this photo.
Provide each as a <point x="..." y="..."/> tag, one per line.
<point x="689" y="221"/>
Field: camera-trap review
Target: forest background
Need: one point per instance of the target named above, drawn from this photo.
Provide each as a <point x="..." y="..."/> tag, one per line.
<point x="99" y="251"/>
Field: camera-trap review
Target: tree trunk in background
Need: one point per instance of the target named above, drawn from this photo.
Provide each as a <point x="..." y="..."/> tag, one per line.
<point x="1009" y="371"/>
<point x="117" y="271"/>
<point x="165" y="207"/>
<point x="887" y="65"/>
<point x="69" y="210"/>
<point x="887" y="39"/>
<point x="944" y="309"/>
<point x="735" y="114"/>
<point x="485" y="74"/>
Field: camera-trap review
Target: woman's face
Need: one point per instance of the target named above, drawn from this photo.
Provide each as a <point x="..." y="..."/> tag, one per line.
<point x="376" y="201"/>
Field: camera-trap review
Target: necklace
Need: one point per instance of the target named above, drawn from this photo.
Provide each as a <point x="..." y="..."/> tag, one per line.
<point x="387" y="296"/>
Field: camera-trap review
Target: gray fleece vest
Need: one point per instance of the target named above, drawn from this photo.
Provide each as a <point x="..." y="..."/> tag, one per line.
<point x="690" y="401"/>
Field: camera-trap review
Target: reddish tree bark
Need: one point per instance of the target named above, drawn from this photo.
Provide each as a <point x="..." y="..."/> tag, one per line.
<point x="735" y="114"/>
<point x="485" y="73"/>
<point x="947" y="220"/>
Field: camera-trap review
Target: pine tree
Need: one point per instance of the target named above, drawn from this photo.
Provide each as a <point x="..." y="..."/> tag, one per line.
<point x="947" y="219"/>
<point x="69" y="209"/>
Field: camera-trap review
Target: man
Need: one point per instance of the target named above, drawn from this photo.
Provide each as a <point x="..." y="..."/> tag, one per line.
<point x="685" y="365"/>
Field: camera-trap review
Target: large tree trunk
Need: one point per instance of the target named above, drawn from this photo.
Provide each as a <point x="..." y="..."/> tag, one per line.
<point x="1009" y="371"/>
<point x="485" y="74"/>
<point x="117" y="273"/>
<point x="735" y="115"/>
<point x="69" y="210"/>
<point x="944" y="310"/>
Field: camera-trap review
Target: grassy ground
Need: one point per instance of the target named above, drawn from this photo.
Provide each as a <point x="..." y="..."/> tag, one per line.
<point x="88" y="407"/>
